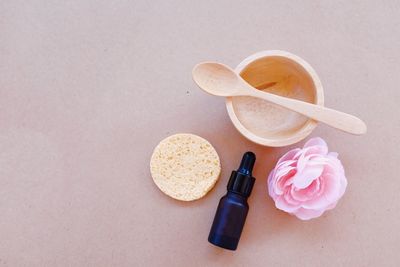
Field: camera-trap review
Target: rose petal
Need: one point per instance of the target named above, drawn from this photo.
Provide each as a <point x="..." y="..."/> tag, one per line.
<point x="281" y="182"/>
<point x="331" y="192"/>
<point x="271" y="182"/>
<point x="307" y="176"/>
<point x="275" y="177"/>
<point x="316" y="146"/>
<point x="288" y="156"/>
<point x="307" y="214"/>
<point x="281" y="172"/>
<point x="282" y="204"/>
<point x="334" y="165"/>
<point x="299" y="153"/>
<point x="289" y="181"/>
<point x="301" y="163"/>
<point x="286" y="163"/>
<point x="316" y="141"/>
<point x="343" y="185"/>
<point x="289" y="199"/>
<point x="312" y="159"/>
<point x="298" y="195"/>
<point x="317" y="160"/>
<point x="307" y="193"/>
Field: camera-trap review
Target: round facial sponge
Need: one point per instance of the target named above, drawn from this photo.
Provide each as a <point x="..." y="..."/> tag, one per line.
<point x="185" y="166"/>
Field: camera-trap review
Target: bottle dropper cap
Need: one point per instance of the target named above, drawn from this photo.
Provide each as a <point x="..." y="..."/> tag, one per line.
<point x="241" y="181"/>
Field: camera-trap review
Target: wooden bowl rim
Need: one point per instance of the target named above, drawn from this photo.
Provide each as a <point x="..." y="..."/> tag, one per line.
<point x="300" y="134"/>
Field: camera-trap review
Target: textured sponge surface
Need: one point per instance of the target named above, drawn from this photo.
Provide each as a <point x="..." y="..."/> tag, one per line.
<point x="185" y="166"/>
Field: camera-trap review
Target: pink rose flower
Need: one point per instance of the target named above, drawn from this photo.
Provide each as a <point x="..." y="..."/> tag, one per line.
<point x="307" y="182"/>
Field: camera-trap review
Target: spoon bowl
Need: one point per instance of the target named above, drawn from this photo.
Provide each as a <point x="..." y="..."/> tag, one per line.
<point x="215" y="78"/>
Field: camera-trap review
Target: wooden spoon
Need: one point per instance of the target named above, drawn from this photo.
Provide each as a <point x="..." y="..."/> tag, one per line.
<point x="220" y="80"/>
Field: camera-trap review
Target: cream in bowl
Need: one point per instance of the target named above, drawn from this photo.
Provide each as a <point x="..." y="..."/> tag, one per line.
<point x="280" y="73"/>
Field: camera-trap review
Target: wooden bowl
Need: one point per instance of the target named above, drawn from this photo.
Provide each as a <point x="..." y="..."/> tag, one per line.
<point x="284" y="74"/>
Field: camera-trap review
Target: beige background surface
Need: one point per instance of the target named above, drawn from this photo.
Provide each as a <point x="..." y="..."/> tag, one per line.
<point x="88" y="88"/>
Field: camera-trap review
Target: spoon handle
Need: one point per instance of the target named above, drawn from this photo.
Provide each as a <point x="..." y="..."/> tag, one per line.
<point x="331" y="117"/>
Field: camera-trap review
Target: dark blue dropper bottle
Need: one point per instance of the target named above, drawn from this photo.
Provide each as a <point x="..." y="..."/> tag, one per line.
<point x="232" y="208"/>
